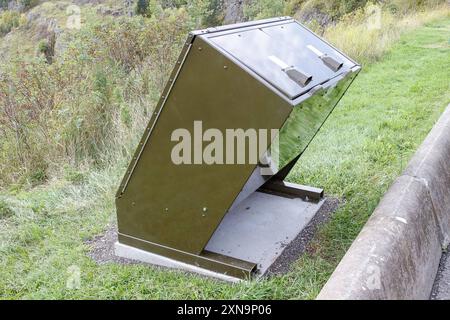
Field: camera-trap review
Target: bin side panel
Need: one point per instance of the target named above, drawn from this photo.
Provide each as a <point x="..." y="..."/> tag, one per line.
<point x="307" y="118"/>
<point x="180" y="206"/>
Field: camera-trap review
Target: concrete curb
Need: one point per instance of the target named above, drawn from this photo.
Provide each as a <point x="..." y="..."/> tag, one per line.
<point x="397" y="253"/>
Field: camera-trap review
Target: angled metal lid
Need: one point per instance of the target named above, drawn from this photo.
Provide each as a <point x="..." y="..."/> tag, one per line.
<point x="287" y="55"/>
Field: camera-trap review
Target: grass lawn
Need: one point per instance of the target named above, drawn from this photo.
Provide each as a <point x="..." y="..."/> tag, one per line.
<point x="360" y="151"/>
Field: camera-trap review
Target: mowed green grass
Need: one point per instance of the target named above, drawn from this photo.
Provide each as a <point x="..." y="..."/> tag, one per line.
<point x="356" y="156"/>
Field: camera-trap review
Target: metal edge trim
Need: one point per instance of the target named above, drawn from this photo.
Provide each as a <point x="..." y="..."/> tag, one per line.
<point x="153" y="120"/>
<point x="239" y="25"/>
<point x="243" y="271"/>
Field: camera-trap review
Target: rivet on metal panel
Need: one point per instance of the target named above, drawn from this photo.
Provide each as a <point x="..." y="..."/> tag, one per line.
<point x="225" y="67"/>
<point x="199" y="48"/>
<point x="166" y="210"/>
<point x="204" y="211"/>
<point x="133" y="203"/>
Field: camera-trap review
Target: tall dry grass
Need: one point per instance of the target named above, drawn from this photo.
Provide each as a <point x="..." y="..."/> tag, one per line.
<point x="367" y="34"/>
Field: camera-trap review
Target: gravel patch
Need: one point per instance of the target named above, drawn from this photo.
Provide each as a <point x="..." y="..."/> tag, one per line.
<point x="299" y="245"/>
<point x="441" y="287"/>
<point x="102" y="248"/>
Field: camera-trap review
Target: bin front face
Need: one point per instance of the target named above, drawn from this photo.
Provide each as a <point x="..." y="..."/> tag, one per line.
<point x="164" y="202"/>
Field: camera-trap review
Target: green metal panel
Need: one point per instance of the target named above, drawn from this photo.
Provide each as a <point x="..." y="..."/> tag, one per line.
<point x="163" y="202"/>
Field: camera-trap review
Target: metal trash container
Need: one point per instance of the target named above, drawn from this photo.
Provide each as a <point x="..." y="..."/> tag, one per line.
<point x="273" y="75"/>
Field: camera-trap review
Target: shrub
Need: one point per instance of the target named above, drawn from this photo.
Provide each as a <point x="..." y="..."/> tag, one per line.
<point x="88" y="108"/>
<point x="142" y="7"/>
<point x="8" y="21"/>
<point x="47" y="47"/>
<point x="263" y="9"/>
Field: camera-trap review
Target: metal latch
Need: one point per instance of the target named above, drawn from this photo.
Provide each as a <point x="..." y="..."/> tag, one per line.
<point x="330" y="62"/>
<point x="293" y="73"/>
<point x="299" y="77"/>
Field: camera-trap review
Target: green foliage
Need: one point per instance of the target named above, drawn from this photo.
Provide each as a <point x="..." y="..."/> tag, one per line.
<point x="28" y="3"/>
<point x="8" y="21"/>
<point x="75" y="176"/>
<point x="43" y="46"/>
<point x="405" y="6"/>
<point x="5" y="210"/>
<point x="47" y="47"/>
<point x="38" y="176"/>
<point x="4" y="3"/>
<point x="202" y="13"/>
<point x="214" y="15"/>
<point x="142" y="7"/>
<point x="76" y="107"/>
<point x="262" y="9"/>
<point x="367" y="33"/>
<point x="322" y="13"/>
<point x="326" y="11"/>
<point x="25" y="3"/>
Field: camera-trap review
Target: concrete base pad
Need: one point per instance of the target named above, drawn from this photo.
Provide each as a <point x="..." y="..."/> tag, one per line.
<point x="127" y="252"/>
<point x="257" y="230"/>
<point x="260" y="227"/>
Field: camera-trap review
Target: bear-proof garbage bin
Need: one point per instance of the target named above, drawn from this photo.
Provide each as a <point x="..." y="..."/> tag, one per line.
<point x="195" y="195"/>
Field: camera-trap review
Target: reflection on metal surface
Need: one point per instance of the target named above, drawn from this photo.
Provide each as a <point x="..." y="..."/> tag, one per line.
<point x="306" y="119"/>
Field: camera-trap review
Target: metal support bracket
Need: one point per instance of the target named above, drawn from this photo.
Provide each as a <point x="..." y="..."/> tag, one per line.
<point x="289" y="189"/>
